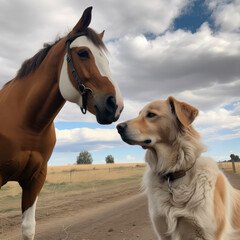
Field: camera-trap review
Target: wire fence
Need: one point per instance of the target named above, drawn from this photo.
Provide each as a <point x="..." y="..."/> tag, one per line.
<point x="76" y="175"/>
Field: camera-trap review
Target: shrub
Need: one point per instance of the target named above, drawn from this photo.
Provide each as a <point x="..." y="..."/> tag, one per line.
<point x="84" y="158"/>
<point x="109" y="159"/>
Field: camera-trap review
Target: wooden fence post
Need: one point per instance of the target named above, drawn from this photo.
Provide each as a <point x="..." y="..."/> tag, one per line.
<point x="233" y="165"/>
<point x="70" y="176"/>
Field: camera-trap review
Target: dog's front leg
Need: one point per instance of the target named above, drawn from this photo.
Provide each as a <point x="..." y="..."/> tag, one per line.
<point x="160" y="227"/>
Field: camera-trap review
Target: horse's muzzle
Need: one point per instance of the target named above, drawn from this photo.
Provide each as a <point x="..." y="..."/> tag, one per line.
<point x="106" y="110"/>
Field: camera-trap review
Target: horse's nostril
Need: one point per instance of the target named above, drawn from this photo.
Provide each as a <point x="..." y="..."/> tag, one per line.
<point x="111" y="104"/>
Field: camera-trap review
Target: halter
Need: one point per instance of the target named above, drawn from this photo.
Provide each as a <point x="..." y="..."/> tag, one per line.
<point x="81" y="87"/>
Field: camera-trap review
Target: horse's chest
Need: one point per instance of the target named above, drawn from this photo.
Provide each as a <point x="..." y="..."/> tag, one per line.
<point x="19" y="151"/>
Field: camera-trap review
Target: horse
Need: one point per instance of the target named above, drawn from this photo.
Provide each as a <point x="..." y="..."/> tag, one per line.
<point x="74" y="68"/>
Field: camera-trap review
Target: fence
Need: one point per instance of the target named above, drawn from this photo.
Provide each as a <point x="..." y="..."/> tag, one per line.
<point x="228" y="166"/>
<point x="87" y="175"/>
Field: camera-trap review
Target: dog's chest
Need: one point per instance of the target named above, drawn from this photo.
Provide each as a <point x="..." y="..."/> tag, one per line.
<point x="184" y="207"/>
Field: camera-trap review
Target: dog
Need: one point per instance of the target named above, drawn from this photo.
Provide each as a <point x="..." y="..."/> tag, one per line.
<point x="189" y="197"/>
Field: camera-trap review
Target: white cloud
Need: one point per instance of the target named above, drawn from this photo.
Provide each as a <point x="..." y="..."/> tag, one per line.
<point x="200" y="68"/>
<point x="86" y="135"/>
<point x="73" y="140"/>
<point x="210" y="124"/>
<point x="130" y="158"/>
<point x="71" y="112"/>
<point x="236" y="110"/>
<point x="26" y="25"/>
<point x="177" y="63"/>
<point x="133" y="17"/>
<point x="220" y="117"/>
<point x="226" y="14"/>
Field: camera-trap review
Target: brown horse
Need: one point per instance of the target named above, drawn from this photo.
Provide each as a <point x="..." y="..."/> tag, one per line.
<point x="74" y="68"/>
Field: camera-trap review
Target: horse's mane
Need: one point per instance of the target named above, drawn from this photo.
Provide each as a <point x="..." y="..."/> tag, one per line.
<point x="31" y="64"/>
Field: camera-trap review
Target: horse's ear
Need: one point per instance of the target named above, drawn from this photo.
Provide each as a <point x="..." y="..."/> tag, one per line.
<point x="101" y="34"/>
<point x="84" y="21"/>
<point x="184" y="112"/>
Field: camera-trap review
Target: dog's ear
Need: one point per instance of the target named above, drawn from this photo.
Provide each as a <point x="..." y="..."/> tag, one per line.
<point x="184" y="112"/>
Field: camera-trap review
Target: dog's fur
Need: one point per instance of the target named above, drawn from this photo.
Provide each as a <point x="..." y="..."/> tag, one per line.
<point x="200" y="205"/>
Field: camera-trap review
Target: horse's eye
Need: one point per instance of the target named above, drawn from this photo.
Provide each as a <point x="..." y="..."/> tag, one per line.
<point x="151" y="115"/>
<point x="83" y="54"/>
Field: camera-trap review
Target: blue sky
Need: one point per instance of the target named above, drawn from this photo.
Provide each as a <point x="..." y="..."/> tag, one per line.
<point x="194" y="15"/>
<point x="187" y="49"/>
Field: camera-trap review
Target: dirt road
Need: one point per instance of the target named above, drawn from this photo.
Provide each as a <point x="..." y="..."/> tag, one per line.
<point x="114" y="213"/>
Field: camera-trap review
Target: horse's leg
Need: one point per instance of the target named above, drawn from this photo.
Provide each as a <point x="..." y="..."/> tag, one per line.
<point x="29" y="201"/>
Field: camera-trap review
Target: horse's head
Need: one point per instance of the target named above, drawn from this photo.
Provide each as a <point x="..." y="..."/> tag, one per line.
<point x="92" y="86"/>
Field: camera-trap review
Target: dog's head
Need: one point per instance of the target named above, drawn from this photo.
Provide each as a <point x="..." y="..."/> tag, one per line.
<point x="158" y="122"/>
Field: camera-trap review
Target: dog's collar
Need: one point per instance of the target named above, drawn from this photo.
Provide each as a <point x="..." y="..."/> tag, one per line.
<point x="172" y="176"/>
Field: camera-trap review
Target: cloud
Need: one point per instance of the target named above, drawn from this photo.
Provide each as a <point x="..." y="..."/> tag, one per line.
<point x="120" y="18"/>
<point x="210" y="124"/>
<point x="201" y="68"/>
<point x="236" y="110"/>
<point x="176" y="63"/>
<point x="74" y="140"/>
<point x="71" y="112"/>
<point x="130" y="158"/>
<point x="219" y="124"/>
<point x="216" y="95"/>
<point x="221" y="118"/>
<point x="226" y="14"/>
<point x="25" y="25"/>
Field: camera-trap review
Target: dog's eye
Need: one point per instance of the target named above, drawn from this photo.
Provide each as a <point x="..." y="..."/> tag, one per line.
<point x="151" y="115"/>
<point x="83" y="54"/>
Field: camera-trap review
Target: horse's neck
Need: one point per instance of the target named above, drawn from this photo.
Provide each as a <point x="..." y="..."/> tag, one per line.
<point x="42" y="98"/>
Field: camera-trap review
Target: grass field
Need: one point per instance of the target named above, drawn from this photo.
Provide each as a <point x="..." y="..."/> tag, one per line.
<point x="87" y="173"/>
<point x="76" y="177"/>
<point x="70" y="179"/>
<point x="227" y="166"/>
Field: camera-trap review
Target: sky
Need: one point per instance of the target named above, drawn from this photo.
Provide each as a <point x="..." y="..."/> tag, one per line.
<point x="157" y="48"/>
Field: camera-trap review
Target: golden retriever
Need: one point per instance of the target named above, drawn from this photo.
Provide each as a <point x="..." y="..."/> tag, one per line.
<point x="189" y="197"/>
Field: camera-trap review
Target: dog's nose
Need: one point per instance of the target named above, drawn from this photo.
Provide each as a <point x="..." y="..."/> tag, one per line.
<point x="121" y="127"/>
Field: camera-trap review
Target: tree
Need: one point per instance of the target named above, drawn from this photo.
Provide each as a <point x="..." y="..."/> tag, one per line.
<point x="84" y="158"/>
<point x="234" y="158"/>
<point x="109" y="159"/>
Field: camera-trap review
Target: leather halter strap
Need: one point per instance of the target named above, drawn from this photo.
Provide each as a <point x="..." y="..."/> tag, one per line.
<point x="83" y="90"/>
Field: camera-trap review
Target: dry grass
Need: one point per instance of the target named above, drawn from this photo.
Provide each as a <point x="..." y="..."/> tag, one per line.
<point x="227" y="166"/>
<point x="78" y="174"/>
<point x="87" y="173"/>
<point x="92" y="166"/>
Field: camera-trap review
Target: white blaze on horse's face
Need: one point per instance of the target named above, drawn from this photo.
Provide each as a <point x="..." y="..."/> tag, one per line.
<point x="70" y="93"/>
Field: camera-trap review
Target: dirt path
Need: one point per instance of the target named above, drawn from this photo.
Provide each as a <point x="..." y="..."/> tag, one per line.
<point x="116" y="213"/>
